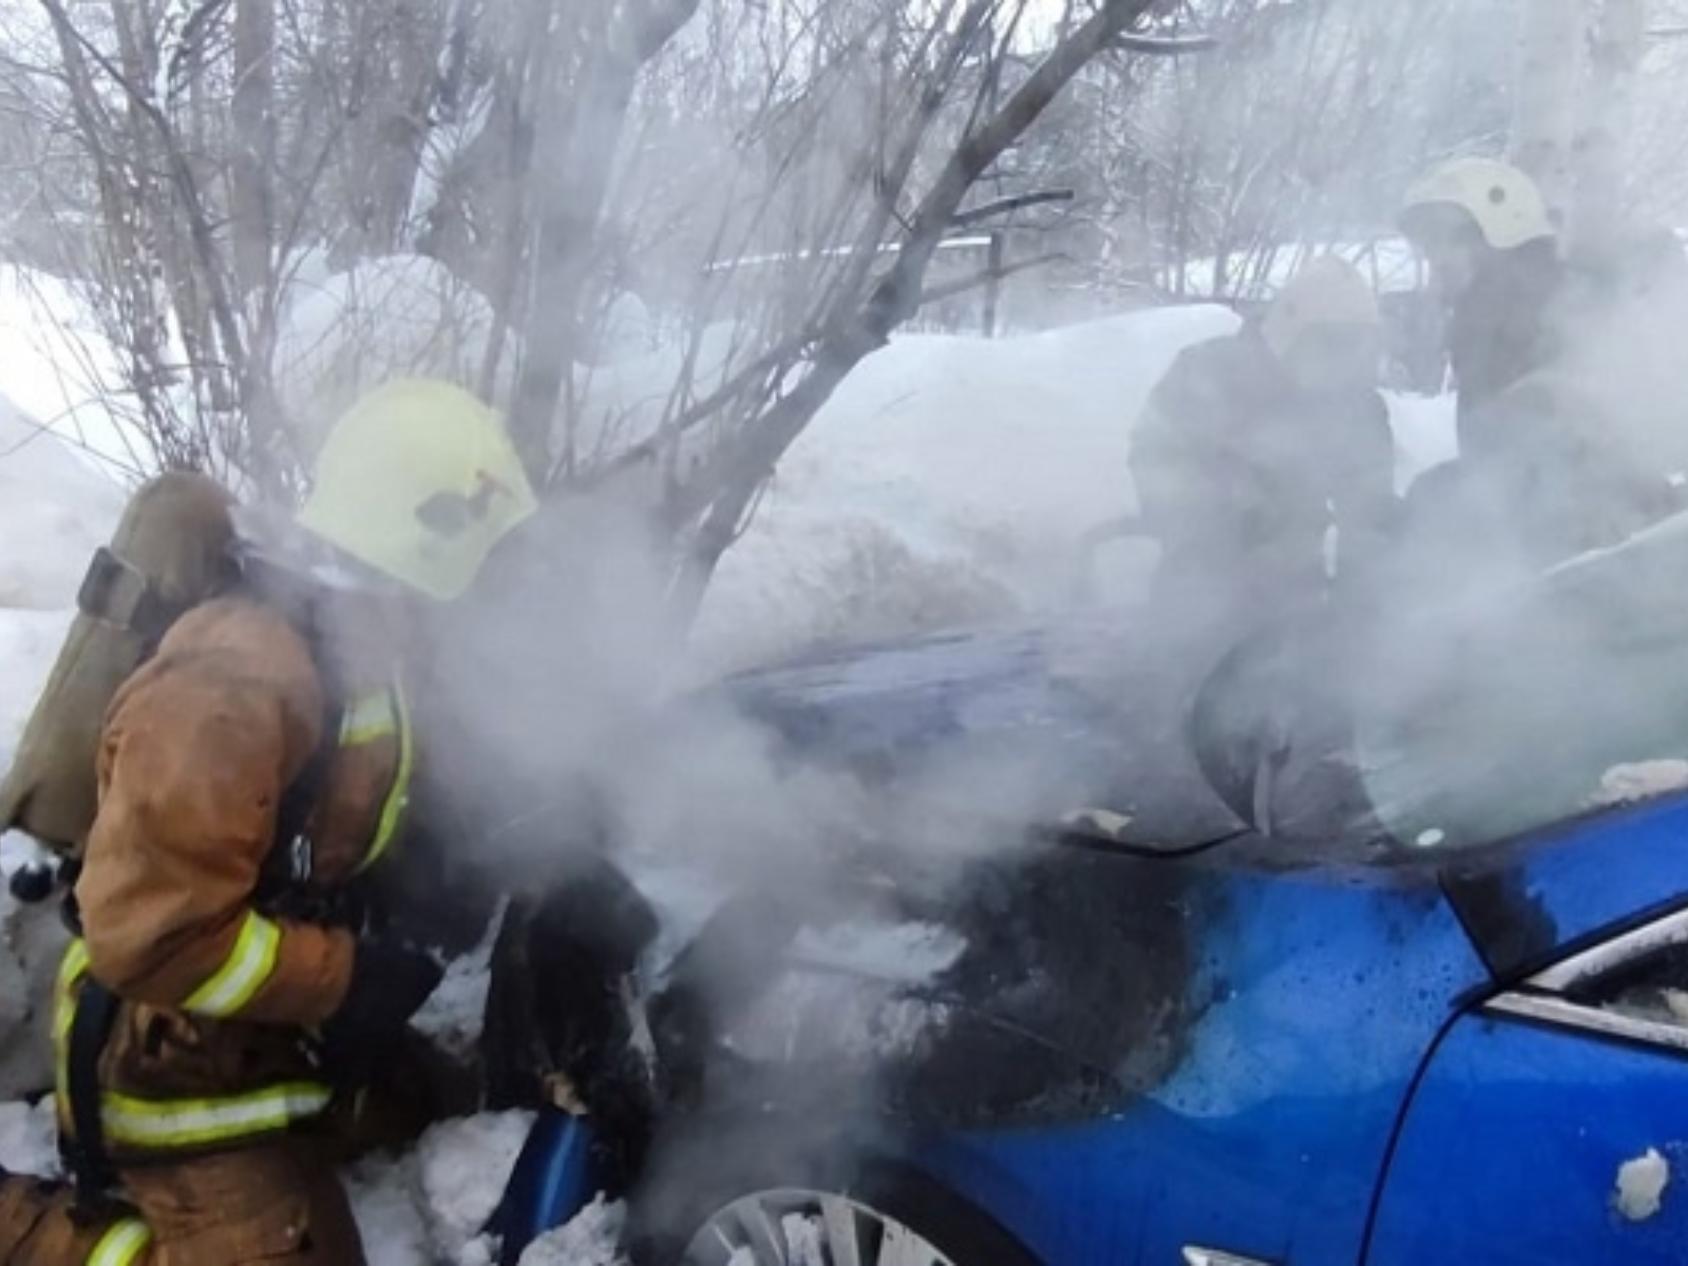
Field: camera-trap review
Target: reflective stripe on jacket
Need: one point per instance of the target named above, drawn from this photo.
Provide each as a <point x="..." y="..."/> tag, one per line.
<point x="209" y="1047"/>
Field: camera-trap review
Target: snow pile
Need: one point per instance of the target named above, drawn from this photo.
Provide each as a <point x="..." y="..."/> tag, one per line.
<point x="592" y="1239"/>
<point x="950" y="481"/>
<point x="429" y="1206"/>
<point x="60" y="369"/>
<point x="452" y="1015"/>
<point x="29" y="1139"/>
<point x="1639" y="780"/>
<point x="55" y="508"/>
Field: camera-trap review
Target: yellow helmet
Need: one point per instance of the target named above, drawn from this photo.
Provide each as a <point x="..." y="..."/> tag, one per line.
<point x="420" y="481"/>
<point x="1506" y="204"/>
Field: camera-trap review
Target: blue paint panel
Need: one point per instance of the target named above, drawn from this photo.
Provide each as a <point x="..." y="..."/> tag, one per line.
<point x="1511" y="1152"/>
<point x="1610" y="869"/>
<point x="1269" y="1139"/>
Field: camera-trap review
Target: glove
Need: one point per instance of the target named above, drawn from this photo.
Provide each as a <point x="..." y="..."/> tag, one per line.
<point x="389" y="985"/>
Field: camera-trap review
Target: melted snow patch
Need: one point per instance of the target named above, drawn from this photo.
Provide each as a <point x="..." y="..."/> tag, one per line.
<point x="1640" y="780"/>
<point x="1641" y="1185"/>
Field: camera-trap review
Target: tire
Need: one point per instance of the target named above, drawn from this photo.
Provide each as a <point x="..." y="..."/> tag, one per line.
<point x="864" y="1211"/>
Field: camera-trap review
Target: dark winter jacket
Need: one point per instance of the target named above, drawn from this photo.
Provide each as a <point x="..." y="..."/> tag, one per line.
<point x="1571" y="397"/>
<point x="1237" y="468"/>
<point x="1504" y="328"/>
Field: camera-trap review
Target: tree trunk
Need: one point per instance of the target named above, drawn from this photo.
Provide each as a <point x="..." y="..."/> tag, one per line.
<point x="867" y="315"/>
<point x="572" y="202"/>
<point x="1618" y="41"/>
<point x="1544" y="117"/>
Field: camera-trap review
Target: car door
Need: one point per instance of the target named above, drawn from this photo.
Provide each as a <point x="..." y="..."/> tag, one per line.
<point x="1551" y="1124"/>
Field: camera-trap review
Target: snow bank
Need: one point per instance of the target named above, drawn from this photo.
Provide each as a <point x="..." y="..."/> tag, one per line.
<point x="59" y="367"/>
<point x="950" y="481"/>
<point x="55" y="509"/>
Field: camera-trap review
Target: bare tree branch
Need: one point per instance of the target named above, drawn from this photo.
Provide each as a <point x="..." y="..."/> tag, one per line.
<point x="1004" y="206"/>
<point x="1165" y="45"/>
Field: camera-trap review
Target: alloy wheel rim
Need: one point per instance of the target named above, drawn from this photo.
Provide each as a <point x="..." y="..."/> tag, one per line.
<point x="793" y="1226"/>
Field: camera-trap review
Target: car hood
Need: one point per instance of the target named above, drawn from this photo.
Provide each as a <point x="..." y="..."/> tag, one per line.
<point x="1028" y="723"/>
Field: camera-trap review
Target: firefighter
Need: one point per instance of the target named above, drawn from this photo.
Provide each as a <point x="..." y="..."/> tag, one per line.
<point x="1254" y="446"/>
<point x="1569" y="399"/>
<point x="213" y="1008"/>
<point x="1493" y="250"/>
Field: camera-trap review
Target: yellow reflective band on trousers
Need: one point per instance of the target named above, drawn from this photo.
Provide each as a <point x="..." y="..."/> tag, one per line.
<point x="169" y="1124"/>
<point x="369" y="720"/>
<point x="178" y="1124"/>
<point x="122" y="1245"/>
<point x="244" y="972"/>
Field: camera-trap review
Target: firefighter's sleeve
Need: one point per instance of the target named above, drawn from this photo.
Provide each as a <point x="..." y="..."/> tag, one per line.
<point x="1174" y="454"/>
<point x="195" y="767"/>
<point x="1362" y="473"/>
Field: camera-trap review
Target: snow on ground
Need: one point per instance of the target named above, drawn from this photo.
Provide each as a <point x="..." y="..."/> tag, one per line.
<point x="55" y="509"/>
<point x="429" y="1207"/>
<point x="590" y="1240"/>
<point x="60" y="370"/>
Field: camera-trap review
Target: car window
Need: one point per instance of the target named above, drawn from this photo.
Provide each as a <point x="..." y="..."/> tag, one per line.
<point x="1634" y="986"/>
<point x="1653" y="988"/>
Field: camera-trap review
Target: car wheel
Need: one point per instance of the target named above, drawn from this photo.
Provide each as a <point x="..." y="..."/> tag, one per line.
<point x="793" y="1224"/>
<point x="889" y="1215"/>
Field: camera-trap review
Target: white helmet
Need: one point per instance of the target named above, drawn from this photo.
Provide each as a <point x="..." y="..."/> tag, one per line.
<point x="1506" y="205"/>
<point x="1328" y="291"/>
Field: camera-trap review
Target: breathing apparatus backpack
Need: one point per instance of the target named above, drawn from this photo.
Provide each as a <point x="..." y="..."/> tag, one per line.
<point x="172" y="551"/>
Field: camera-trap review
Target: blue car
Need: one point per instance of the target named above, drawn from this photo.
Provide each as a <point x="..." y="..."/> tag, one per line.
<point x="1374" y="951"/>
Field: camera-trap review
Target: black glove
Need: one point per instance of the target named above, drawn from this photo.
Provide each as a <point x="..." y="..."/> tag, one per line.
<point x="389" y="984"/>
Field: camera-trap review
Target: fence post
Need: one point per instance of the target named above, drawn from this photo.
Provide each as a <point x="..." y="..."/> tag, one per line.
<point x="993" y="286"/>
